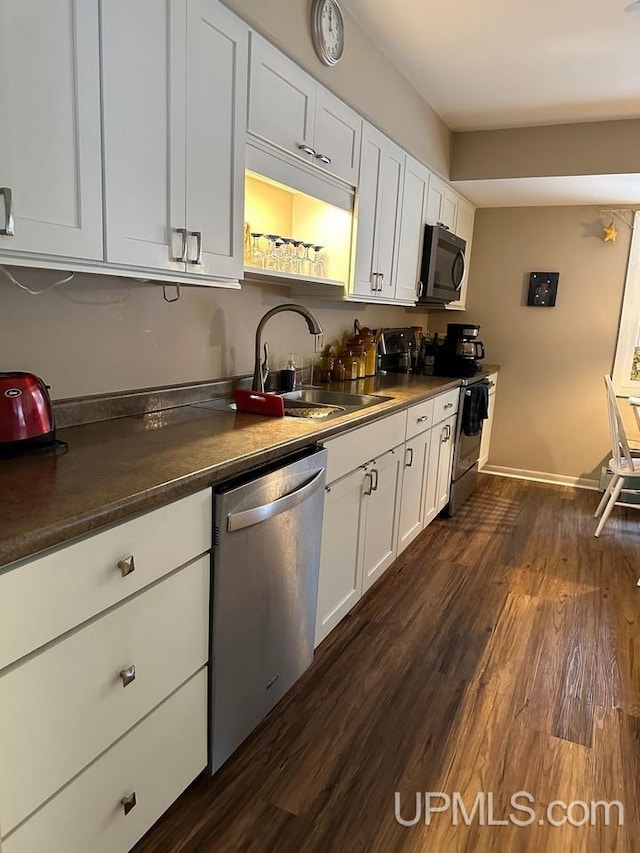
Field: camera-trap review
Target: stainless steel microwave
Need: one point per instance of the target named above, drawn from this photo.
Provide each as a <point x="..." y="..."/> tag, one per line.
<point x="443" y="266"/>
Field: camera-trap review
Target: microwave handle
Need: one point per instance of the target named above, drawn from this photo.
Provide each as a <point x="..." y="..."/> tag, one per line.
<point x="458" y="284"/>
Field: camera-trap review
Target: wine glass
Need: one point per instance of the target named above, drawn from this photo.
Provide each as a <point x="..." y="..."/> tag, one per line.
<point x="318" y="266"/>
<point x="286" y="254"/>
<point x="307" y="263"/>
<point x="257" y="255"/>
<point x="296" y="259"/>
<point x="272" y="256"/>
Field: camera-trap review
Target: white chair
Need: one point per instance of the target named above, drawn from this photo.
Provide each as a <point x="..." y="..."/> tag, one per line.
<point x="622" y="463"/>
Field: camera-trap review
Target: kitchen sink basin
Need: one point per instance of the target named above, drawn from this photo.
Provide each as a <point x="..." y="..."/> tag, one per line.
<point x="312" y="403"/>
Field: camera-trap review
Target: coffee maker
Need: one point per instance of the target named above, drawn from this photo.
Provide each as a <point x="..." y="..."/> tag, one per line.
<point x="461" y="351"/>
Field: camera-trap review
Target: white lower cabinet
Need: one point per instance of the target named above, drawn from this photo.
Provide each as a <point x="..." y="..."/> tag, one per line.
<point x="440" y="464"/>
<point x="103" y="700"/>
<point x="379" y="517"/>
<point x="109" y="806"/>
<point x="415" y="476"/>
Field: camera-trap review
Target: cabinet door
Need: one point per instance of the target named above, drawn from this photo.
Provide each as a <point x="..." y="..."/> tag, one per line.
<point x="414" y="207"/>
<point x="340" y="581"/>
<point x="143" y="64"/>
<point x="388" y="218"/>
<point x="445" y="435"/>
<point x="50" y="152"/>
<point x="415" y="473"/>
<point x="430" y="489"/>
<point x="338" y="136"/>
<point x="217" y="57"/>
<point x="379" y="527"/>
<point x="464" y="228"/>
<point x="377" y="215"/>
<point x="442" y="204"/>
<point x="282" y="99"/>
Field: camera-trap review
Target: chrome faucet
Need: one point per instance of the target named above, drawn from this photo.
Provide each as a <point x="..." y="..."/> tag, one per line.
<point x="261" y="371"/>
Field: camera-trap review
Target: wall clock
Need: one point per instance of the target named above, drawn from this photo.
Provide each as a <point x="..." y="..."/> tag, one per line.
<point x="327" y="30"/>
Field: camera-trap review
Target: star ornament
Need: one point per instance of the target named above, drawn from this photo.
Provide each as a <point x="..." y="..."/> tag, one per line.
<point x="610" y="233"/>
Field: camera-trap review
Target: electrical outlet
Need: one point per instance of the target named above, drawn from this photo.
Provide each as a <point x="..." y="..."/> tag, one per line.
<point x="319" y="344"/>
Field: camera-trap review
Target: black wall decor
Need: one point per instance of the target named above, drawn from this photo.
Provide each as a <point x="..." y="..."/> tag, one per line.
<point x="543" y="289"/>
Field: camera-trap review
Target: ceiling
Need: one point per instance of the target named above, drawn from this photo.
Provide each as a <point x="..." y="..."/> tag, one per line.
<point x="509" y="63"/>
<point x="604" y="190"/>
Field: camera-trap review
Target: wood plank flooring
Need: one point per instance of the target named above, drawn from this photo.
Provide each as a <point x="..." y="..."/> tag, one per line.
<point x="500" y="653"/>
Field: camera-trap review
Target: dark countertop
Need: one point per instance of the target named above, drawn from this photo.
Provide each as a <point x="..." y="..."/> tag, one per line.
<point x="117" y="468"/>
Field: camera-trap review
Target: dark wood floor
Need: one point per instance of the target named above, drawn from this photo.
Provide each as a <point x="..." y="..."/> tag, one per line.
<point x="500" y="653"/>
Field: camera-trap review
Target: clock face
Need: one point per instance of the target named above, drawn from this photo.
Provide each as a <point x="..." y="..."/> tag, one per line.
<point x="328" y="30"/>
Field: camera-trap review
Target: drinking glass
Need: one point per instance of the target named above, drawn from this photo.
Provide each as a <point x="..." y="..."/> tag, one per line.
<point x="257" y="255"/>
<point x="272" y="255"/>
<point x="318" y="266"/>
<point x="307" y="263"/>
<point x="286" y="253"/>
<point x="296" y="259"/>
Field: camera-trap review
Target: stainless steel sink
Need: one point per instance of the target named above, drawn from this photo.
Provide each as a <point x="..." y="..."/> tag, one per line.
<point x="312" y="403"/>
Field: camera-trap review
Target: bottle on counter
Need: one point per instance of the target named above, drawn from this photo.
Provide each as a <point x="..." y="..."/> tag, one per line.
<point x="288" y="375"/>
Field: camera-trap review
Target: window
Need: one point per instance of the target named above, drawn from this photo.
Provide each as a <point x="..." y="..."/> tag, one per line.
<point x="626" y="367"/>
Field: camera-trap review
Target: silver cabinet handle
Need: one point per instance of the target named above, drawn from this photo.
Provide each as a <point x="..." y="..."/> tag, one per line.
<point x="183" y="254"/>
<point x="449" y="406"/>
<point x="240" y="520"/>
<point x="129" y="802"/>
<point x="410" y="462"/>
<point x="422" y="419"/>
<point x="198" y="236"/>
<point x="127" y="566"/>
<point x="381" y="281"/>
<point x="492" y="384"/>
<point x="370" y="484"/>
<point x="323" y="159"/>
<point x="374" y="485"/>
<point x="374" y="281"/>
<point x="9" y="228"/>
<point x="128" y="675"/>
<point x="307" y="149"/>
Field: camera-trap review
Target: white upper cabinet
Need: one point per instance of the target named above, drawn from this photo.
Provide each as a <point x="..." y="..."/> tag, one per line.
<point x="145" y="202"/>
<point x="174" y="127"/>
<point x="217" y="60"/>
<point x="377" y="216"/>
<point x="288" y="108"/>
<point x="282" y="99"/>
<point x="442" y="205"/>
<point x="50" y="161"/>
<point x="413" y="217"/>
<point x="464" y="228"/>
<point x="338" y="136"/>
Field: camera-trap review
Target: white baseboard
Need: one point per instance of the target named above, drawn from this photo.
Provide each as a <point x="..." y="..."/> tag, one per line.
<point x="541" y="477"/>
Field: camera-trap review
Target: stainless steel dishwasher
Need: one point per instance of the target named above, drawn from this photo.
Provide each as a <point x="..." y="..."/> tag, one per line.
<point x="268" y="527"/>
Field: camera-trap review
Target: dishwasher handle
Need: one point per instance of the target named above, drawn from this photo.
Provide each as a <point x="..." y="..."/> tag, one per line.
<point x="240" y="520"/>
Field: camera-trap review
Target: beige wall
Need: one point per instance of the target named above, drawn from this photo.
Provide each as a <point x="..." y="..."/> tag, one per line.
<point x="550" y="406"/>
<point x="364" y="78"/>
<point x="595" y="148"/>
<point x="101" y="334"/>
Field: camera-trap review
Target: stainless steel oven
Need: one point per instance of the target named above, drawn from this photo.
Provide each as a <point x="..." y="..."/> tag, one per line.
<point x="464" y="474"/>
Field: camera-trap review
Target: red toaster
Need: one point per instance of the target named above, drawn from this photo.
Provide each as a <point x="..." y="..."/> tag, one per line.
<point x="26" y="414"/>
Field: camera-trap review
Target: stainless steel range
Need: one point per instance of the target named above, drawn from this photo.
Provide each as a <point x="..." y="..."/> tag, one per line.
<point x="464" y="474"/>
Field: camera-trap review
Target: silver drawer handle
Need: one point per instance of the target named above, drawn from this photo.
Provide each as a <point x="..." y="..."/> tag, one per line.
<point x="449" y="406"/>
<point x="198" y="236"/>
<point x="127" y="566"/>
<point x="183" y="254"/>
<point x="8" y="230"/>
<point x="422" y="419"/>
<point x="128" y="675"/>
<point x="324" y="159"/>
<point x="129" y="802"/>
<point x="307" y="149"/>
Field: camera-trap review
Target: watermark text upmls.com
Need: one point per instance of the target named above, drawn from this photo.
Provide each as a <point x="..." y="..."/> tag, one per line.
<point x="523" y="810"/>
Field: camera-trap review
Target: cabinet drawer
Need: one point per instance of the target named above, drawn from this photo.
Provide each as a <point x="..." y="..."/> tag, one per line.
<point x="419" y="418"/>
<point x="445" y="405"/>
<point x="66" y="705"/>
<point x="156" y="760"/>
<point x="46" y="596"/>
<point x="347" y="452"/>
